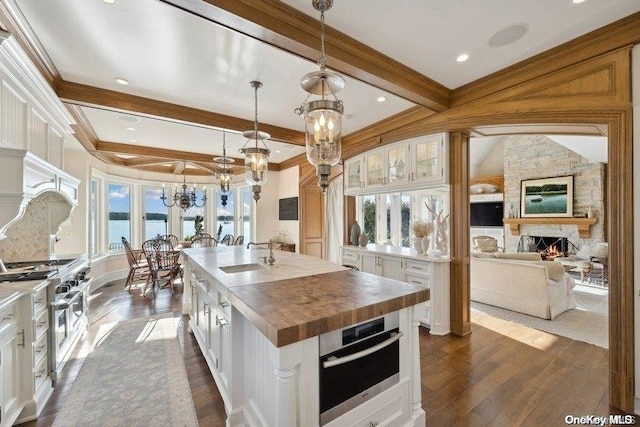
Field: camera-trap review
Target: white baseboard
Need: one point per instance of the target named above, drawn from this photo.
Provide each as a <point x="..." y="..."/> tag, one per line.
<point x="100" y="281"/>
<point x="636" y="406"/>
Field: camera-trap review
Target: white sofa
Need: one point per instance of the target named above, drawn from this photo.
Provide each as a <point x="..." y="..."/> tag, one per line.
<point x="535" y="287"/>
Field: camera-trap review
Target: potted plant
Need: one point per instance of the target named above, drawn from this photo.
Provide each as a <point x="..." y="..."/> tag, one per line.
<point x="421" y="231"/>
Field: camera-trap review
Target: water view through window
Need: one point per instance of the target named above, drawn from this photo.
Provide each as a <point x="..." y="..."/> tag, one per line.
<point x="156" y="214"/>
<point x="119" y="215"/>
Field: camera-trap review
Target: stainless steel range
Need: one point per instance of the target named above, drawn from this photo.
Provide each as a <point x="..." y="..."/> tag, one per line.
<point x="67" y="298"/>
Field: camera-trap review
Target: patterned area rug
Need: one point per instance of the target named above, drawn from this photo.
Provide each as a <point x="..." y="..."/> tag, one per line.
<point x="134" y="377"/>
<point x="588" y="322"/>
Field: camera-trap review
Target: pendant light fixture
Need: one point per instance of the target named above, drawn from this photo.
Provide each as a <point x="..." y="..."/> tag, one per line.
<point x="323" y="116"/>
<point x="226" y="174"/>
<point x="256" y="159"/>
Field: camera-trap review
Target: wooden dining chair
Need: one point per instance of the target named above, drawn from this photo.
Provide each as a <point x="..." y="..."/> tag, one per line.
<point x="138" y="266"/>
<point x="239" y="240"/>
<point x="227" y="240"/>
<point x="171" y="238"/>
<point x="204" y="242"/>
<point x="163" y="263"/>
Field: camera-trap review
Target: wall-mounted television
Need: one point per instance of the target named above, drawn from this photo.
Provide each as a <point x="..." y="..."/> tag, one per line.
<point x="487" y="214"/>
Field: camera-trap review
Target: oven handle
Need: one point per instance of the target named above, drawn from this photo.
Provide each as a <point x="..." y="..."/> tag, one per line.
<point x="395" y="336"/>
<point x="63" y="305"/>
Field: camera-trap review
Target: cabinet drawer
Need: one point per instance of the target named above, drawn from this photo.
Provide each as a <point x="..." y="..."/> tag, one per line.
<point x="8" y="317"/>
<point x="224" y="306"/>
<point x="39" y="301"/>
<point x="390" y="409"/>
<point x="418" y="267"/>
<point x="40" y="349"/>
<point x="417" y="279"/>
<point x="40" y="374"/>
<point x="349" y="258"/>
<point x="41" y="324"/>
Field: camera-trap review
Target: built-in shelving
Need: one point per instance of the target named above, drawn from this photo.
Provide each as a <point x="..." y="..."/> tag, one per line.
<point x="583" y="224"/>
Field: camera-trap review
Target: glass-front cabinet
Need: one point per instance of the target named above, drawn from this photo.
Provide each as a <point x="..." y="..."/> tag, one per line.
<point x="418" y="161"/>
<point x="375" y="172"/>
<point x="354" y="181"/>
<point x="428" y="159"/>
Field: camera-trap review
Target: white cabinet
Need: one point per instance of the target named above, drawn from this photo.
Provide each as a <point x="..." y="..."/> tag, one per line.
<point x="211" y="324"/>
<point x="429" y="163"/>
<point x="12" y="341"/>
<point x="430" y="273"/>
<point x="381" y="265"/>
<point x="354" y="179"/>
<point x="408" y="164"/>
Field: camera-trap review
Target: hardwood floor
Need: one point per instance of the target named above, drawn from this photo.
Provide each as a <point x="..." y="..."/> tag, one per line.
<point x="501" y="374"/>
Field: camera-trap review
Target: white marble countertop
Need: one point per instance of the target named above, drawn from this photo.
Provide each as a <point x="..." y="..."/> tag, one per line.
<point x="11" y="291"/>
<point x="396" y="251"/>
<point x="288" y="265"/>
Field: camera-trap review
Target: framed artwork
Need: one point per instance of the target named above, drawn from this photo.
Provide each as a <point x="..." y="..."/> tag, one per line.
<point x="288" y="209"/>
<point x="547" y="197"/>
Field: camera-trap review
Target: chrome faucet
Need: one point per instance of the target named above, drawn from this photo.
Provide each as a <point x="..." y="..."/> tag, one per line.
<point x="271" y="258"/>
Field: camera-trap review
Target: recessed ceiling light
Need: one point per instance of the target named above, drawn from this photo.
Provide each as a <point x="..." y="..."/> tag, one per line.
<point x="462" y="58"/>
<point x="109" y="1"/>
<point x="578" y="1"/>
<point x="133" y="140"/>
<point x="131" y="128"/>
<point x="381" y="99"/>
<point x="508" y="35"/>
<point x="122" y="81"/>
<point x="130" y="119"/>
<point x="277" y="151"/>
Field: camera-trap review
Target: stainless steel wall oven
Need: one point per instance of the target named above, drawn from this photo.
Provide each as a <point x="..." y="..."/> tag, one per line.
<point x="357" y="363"/>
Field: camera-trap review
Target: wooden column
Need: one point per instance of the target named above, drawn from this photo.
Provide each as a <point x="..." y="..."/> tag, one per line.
<point x="460" y="223"/>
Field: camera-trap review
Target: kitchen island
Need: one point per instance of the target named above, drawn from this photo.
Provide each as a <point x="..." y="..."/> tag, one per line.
<point x="261" y="330"/>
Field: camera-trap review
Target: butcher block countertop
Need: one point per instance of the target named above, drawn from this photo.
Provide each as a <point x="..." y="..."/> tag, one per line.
<point x="300" y="296"/>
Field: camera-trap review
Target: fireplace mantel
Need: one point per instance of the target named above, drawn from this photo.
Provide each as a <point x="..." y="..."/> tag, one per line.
<point x="583" y="224"/>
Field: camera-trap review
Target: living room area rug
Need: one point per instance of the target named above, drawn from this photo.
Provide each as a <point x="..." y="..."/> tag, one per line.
<point x="135" y="376"/>
<point x="588" y="322"/>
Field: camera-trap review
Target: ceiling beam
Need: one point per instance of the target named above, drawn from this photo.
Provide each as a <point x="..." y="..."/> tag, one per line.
<point x="78" y="94"/>
<point x="281" y="26"/>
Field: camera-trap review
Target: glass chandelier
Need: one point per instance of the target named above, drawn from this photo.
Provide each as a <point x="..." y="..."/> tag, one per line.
<point x="256" y="159"/>
<point x="226" y="174"/>
<point x="186" y="198"/>
<point x="323" y="116"/>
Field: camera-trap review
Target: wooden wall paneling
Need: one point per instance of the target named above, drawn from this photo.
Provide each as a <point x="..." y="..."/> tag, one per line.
<point x="313" y="221"/>
<point x="460" y="282"/>
<point x="349" y="217"/>
<point x="621" y="295"/>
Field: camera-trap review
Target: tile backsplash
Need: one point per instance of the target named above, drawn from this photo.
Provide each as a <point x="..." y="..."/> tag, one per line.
<point x="28" y="239"/>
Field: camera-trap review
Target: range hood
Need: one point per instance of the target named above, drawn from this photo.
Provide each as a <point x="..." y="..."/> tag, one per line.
<point x="23" y="176"/>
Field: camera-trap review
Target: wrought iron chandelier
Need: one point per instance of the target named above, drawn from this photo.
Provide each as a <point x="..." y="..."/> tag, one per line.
<point x="226" y="174"/>
<point x="322" y="117"/>
<point x="185" y="199"/>
<point x="256" y="159"/>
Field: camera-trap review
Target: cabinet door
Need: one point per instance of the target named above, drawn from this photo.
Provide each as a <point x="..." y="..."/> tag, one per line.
<point x="375" y="171"/>
<point x="354" y="178"/>
<point x="224" y="365"/>
<point x="391" y="268"/>
<point x="213" y="334"/>
<point x="397" y="165"/>
<point x="428" y="162"/>
<point x="369" y="263"/>
<point x="9" y="375"/>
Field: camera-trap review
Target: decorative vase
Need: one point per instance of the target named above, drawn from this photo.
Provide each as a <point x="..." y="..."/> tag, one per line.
<point x="418" y="244"/>
<point x="363" y="240"/>
<point x="425" y="244"/>
<point x="355" y="233"/>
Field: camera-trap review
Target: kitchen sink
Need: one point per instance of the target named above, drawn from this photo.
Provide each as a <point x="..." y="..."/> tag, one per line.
<point x="241" y="268"/>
